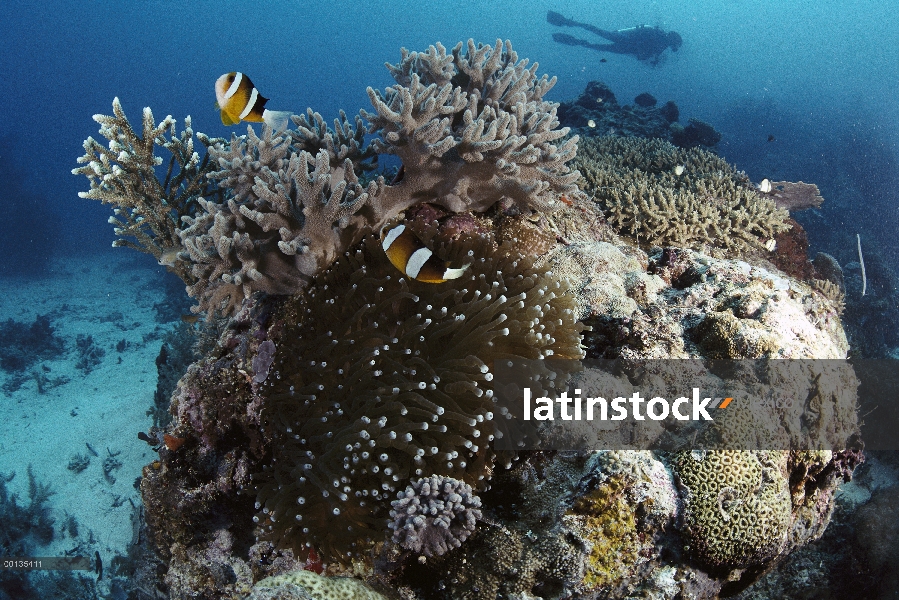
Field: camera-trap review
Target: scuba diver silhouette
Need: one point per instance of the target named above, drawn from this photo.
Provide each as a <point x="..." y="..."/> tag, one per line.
<point x="645" y="43"/>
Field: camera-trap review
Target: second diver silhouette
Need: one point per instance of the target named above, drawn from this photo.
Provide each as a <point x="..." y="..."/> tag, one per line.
<point x="645" y="43"/>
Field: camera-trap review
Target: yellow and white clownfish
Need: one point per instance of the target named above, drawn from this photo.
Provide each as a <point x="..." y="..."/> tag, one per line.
<point x="409" y="254"/>
<point x="239" y="100"/>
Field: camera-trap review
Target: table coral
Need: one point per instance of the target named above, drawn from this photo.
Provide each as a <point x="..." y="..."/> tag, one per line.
<point x="636" y="184"/>
<point x="472" y="128"/>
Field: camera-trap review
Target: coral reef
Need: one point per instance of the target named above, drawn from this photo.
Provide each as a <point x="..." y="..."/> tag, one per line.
<point x="696" y="133"/>
<point x="434" y="514"/>
<point x="342" y="421"/>
<point x="597" y="104"/>
<point x="380" y="380"/>
<point x="471" y="128"/>
<point x="644" y="194"/>
<point x="704" y="307"/>
<point x="180" y="347"/>
<point x="596" y="112"/>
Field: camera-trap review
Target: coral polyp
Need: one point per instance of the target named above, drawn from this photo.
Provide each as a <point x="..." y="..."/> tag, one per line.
<point x="380" y="379"/>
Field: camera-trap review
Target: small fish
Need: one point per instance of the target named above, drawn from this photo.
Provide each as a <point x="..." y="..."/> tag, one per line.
<point x="771" y="245"/>
<point x="591" y="123"/>
<point x="239" y="100"/>
<point x="765" y="186"/>
<point x="190" y="319"/>
<point x="603" y="60"/>
<point x="599" y="100"/>
<point x="679" y="170"/>
<point x="771" y="138"/>
<point x="408" y="254"/>
<point x="170" y="256"/>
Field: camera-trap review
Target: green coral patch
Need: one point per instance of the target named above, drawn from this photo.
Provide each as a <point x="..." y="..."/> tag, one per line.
<point x="607" y="519"/>
<point x="663" y="195"/>
<point x="737" y="510"/>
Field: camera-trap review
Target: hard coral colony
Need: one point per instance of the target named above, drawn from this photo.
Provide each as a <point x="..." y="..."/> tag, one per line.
<point x="378" y="380"/>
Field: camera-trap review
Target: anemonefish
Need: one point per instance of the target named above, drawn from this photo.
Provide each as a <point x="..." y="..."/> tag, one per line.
<point x="409" y="254"/>
<point x="239" y="100"/>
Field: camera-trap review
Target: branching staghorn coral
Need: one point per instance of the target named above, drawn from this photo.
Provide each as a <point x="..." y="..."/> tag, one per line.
<point x="379" y="380"/>
<point x="638" y="185"/>
<point x="343" y="142"/>
<point x="471" y="129"/>
<point x="287" y="219"/>
<point x="124" y="174"/>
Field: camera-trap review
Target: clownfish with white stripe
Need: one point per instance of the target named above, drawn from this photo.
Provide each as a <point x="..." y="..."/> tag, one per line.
<point x="239" y="100"/>
<point x="409" y="254"/>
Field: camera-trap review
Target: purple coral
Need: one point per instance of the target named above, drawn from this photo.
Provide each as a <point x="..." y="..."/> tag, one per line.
<point x="434" y="514"/>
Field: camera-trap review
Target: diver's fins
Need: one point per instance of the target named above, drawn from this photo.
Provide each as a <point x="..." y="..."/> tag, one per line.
<point x="554" y="18"/>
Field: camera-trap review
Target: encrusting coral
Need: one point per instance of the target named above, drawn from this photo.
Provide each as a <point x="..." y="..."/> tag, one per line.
<point x="301" y="585"/>
<point x="667" y="196"/>
<point x="471" y="128"/>
<point x="379" y="380"/>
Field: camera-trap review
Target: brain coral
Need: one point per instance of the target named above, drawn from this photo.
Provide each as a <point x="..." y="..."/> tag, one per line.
<point x="379" y="380"/>
<point x="636" y="183"/>
<point x="306" y="584"/>
<point x="737" y="510"/>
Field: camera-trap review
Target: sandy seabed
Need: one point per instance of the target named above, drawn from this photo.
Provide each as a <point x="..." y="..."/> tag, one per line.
<point x="110" y="297"/>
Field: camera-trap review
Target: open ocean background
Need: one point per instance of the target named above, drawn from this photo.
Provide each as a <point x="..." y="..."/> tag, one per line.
<point x="820" y="76"/>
